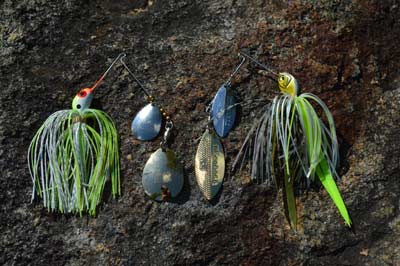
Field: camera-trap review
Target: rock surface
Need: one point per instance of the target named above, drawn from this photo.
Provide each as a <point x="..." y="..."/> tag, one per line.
<point x="346" y="52"/>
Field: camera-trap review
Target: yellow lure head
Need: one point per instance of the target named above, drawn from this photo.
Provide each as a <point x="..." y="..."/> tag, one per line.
<point x="287" y="84"/>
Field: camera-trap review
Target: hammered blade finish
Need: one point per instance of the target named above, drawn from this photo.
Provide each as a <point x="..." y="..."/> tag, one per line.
<point x="210" y="164"/>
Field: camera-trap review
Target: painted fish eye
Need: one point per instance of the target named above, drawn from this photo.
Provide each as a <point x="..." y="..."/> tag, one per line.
<point x="82" y="94"/>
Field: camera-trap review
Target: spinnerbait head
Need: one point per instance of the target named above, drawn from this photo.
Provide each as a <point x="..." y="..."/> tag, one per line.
<point x="84" y="97"/>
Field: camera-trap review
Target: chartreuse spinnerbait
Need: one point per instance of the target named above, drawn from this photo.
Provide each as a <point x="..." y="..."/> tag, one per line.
<point x="290" y="141"/>
<point x="210" y="158"/>
<point x="73" y="154"/>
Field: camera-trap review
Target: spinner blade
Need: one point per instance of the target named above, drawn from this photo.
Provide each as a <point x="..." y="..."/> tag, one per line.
<point x="162" y="175"/>
<point x="147" y="123"/>
<point x="223" y="110"/>
<point x="210" y="164"/>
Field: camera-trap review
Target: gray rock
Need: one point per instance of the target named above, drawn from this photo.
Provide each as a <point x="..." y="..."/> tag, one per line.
<point x="344" y="51"/>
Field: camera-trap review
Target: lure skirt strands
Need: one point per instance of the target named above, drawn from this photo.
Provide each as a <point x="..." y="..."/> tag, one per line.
<point x="70" y="159"/>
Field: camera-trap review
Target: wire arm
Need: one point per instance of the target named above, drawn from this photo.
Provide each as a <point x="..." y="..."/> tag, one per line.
<point x="258" y="63"/>
<point x="135" y="78"/>
<point x="228" y="82"/>
<point x="120" y="56"/>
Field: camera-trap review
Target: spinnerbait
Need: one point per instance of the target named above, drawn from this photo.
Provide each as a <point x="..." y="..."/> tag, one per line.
<point x="290" y="141"/>
<point x="73" y="154"/>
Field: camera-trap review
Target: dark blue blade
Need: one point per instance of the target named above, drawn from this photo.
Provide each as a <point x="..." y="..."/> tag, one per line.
<point x="223" y="110"/>
<point x="147" y="123"/>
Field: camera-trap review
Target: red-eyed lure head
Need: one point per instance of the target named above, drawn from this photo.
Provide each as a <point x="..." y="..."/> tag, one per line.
<point x="83" y="99"/>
